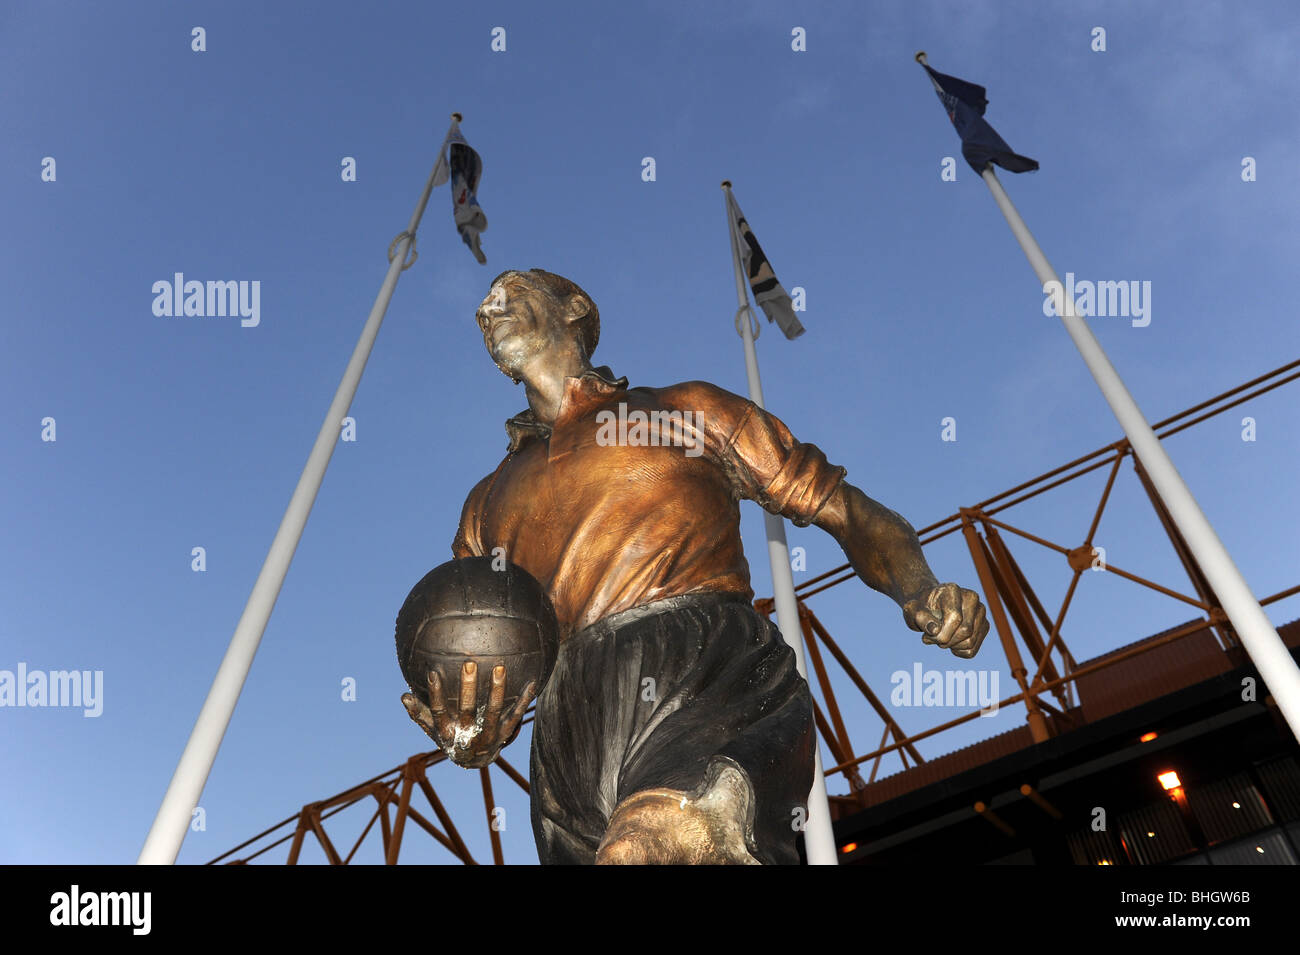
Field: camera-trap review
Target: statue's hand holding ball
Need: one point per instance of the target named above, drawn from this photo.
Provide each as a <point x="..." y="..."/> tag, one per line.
<point x="476" y="640"/>
<point x="469" y="738"/>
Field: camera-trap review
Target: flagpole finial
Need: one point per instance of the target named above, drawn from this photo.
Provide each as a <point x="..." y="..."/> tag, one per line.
<point x="920" y="58"/>
<point x="726" y="184"/>
<point x="457" y="117"/>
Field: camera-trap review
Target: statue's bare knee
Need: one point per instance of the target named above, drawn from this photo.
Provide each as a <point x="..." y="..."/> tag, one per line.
<point x="673" y="827"/>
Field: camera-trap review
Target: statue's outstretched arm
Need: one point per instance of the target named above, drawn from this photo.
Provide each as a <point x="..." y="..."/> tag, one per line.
<point x="885" y="552"/>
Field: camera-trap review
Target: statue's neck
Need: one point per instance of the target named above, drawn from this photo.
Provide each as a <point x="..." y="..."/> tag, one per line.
<point x="546" y="385"/>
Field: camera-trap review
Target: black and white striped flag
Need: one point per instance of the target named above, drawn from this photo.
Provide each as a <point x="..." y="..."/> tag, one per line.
<point x="768" y="293"/>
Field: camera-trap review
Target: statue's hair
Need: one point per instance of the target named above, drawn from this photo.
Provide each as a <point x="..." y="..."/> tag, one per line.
<point x="559" y="288"/>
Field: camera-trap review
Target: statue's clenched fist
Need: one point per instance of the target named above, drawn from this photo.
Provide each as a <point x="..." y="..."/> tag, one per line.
<point x="949" y="617"/>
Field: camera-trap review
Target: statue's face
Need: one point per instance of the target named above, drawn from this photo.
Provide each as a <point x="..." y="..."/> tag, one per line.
<point x="519" y="320"/>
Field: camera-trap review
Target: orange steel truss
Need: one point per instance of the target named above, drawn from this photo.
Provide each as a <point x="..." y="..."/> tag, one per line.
<point x="392" y="791"/>
<point x="1045" y="670"/>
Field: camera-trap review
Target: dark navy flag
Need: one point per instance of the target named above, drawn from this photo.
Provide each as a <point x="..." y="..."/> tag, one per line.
<point x="980" y="144"/>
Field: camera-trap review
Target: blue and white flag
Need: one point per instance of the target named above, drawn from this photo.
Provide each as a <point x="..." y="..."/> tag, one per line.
<point x="461" y="165"/>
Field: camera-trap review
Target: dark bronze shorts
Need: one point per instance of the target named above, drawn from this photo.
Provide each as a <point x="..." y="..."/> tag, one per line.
<point x="647" y="699"/>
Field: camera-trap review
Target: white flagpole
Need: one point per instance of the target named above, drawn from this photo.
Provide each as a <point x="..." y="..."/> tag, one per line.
<point x="1266" y="649"/>
<point x="173" y="819"/>
<point x="1260" y="638"/>
<point x="818" y="834"/>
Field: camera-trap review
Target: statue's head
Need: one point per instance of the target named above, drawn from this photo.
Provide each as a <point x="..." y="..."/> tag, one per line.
<point x="526" y="314"/>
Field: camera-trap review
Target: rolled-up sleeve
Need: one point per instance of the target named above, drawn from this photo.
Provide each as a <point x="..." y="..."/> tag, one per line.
<point x="764" y="461"/>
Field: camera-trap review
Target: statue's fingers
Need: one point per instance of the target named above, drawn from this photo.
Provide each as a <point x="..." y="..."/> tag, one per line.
<point x="497" y="697"/>
<point x="946" y="599"/>
<point x="421" y="715"/>
<point x="970" y="605"/>
<point x="951" y="621"/>
<point x="963" y="643"/>
<point x="518" y="710"/>
<point x="414" y="708"/>
<point x="970" y="635"/>
<point x="468" y="689"/>
<point x="440" y="725"/>
<point x="437" y="704"/>
<point x="925" y="621"/>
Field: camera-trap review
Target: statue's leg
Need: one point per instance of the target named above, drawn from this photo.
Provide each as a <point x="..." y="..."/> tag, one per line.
<point x="672" y="827"/>
<point x="567" y="814"/>
<point x="680" y="733"/>
<point x="719" y="772"/>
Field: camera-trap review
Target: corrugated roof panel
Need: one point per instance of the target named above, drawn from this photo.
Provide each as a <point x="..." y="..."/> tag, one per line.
<point x="1147" y="676"/>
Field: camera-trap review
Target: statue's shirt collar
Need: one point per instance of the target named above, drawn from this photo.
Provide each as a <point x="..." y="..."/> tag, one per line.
<point x="592" y="387"/>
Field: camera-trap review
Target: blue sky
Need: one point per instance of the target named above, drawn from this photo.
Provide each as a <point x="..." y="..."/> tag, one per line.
<point x="174" y="433"/>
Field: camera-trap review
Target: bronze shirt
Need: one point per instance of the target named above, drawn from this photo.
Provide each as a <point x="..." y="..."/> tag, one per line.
<point x="633" y="495"/>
